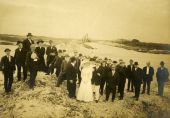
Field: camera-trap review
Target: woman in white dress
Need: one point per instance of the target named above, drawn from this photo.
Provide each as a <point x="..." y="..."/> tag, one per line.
<point x="85" y="92"/>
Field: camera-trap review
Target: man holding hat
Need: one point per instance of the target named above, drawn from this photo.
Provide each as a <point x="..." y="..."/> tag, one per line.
<point x="40" y="50"/>
<point x="162" y="76"/>
<point x="8" y="68"/>
<point x="20" y="61"/>
<point x="138" y="77"/>
<point x="32" y="64"/>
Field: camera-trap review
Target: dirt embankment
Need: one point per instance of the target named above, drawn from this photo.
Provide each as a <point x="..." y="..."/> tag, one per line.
<point x="48" y="101"/>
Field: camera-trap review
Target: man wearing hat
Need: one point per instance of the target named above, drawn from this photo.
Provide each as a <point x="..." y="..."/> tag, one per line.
<point x="20" y="61"/>
<point x="8" y="68"/>
<point x="138" y="76"/>
<point x="50" y="52"/>
<point x="162" y="75"/>
<point x="40" y="50"/>
<point x="28" y="42"/>
<point x="130" y="68"/>
<point x="121" y="71"/>
<point x="27" y="47"/>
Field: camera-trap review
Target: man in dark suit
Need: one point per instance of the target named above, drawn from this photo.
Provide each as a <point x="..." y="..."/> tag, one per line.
<point x="71" y="76"/>
<point x="138" y="75"/>
<point x="32" y="64"/>
<point x="20" y="61"/>
<point x="40" y="50"/>
<point x="8" y="68"/>
<point x="130" y="69"/>
<point x="103" y="72"/>
<point x="27" y="48"/>
<point x="50" y="52"/>
<point x="148" y="73"/>
<point x="121" y="71"/>
<point x="62" y="75"/>
<point x="96" y="80"/>
<point x="78" y="63"/>
<point x="56" y="63"/>
<point x="111" y="83"/>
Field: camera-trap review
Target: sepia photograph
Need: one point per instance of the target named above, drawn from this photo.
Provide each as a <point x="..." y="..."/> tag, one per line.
<point x="84" y="58"/>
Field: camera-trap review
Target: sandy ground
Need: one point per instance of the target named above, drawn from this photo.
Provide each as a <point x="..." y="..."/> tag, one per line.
<point x="48" y="101"/>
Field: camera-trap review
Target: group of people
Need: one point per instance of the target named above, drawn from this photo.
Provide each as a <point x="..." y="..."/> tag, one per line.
<point x="95" y="76"/>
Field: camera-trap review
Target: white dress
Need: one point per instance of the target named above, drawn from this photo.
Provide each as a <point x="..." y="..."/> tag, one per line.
<point x="85" y="92"/>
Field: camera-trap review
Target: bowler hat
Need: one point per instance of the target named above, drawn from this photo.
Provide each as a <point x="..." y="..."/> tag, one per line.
<point x="18" y="42"/>
<point x="29" y="34"/>
<point x="40" y="41"/>
<point x="7" y="49"/>
<point x="136" y="63"/>
<point x="114" y="62"/>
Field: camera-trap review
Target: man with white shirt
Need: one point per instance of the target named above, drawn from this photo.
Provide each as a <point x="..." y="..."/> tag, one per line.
<point x="8" y="68"/>
<point x="148" y="73"/>
<point x="32" y="64"/>
<point x="20" y="61"/>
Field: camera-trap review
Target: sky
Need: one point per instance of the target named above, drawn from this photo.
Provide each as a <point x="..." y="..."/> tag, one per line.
<point x="146" y="20"/>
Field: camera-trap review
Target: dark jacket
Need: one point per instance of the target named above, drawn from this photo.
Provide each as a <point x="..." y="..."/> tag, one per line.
<point x="78" y="63"/>
<point x="148" y="77"/>
<point x="62" y="74"/>
<point x="40" y="52"/>
<point x="138" y="76"/>
<point x="162" y="74"/>
<point x="57" y="62"/>
<point x="26" y="45"/>
<point x="6" y="65"/>
<point x="129" y="71"/>
<point x="19" y="57"/>
<point x="96" y="79"/>
<point x="49" y="51"/>
<point x="103" y="72"/>
<point x="30" y="63"/>
<point x="112" y="79"/>
<point x="121" y="73"/>
<point x="71" y="73"/>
